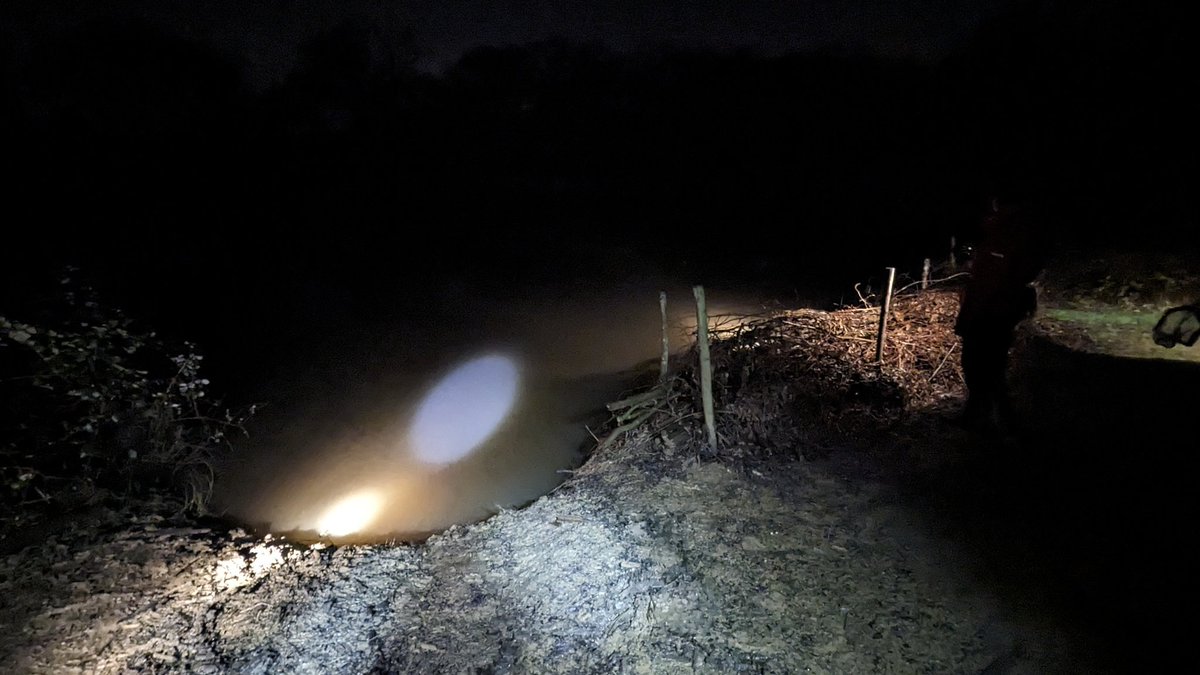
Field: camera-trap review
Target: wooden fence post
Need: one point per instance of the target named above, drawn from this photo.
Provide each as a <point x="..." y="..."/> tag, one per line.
<point x="666" y="350"/>
<point x="884" y="308"/>
<point x="705" y="366"/>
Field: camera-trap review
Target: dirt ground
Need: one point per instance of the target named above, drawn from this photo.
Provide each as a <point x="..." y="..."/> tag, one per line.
<point x="1058" y="548"/>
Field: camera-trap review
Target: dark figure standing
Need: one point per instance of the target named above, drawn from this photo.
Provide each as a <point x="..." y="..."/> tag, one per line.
<point x="998" y="295"/>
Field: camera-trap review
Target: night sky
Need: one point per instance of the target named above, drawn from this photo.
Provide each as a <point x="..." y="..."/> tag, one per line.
<point x="256" y="163"/>
<point x="267" y="34"/>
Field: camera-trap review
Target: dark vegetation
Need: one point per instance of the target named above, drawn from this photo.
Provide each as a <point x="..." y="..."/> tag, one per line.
<point x="100" y="412"/>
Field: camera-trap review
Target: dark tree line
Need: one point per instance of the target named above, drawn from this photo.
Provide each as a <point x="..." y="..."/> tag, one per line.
<point x="146" y="153"/>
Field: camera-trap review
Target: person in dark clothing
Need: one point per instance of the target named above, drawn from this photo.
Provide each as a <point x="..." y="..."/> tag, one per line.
<point x="998" y="295"/>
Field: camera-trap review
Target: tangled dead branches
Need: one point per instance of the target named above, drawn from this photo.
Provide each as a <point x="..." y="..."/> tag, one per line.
<point x="783" y="380"/>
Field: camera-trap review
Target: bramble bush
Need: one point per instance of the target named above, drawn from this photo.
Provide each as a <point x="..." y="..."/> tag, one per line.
<point x="98" y="408"/>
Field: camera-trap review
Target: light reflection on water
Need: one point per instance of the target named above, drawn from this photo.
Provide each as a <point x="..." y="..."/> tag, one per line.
<point x="333" y="425"/>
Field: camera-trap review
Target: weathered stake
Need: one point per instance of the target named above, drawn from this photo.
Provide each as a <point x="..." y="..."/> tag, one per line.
<point x="884" y="308"/>
<point x="666" y="350"/>
<point x="925" y="275"/>
<point x="706" y="396"/>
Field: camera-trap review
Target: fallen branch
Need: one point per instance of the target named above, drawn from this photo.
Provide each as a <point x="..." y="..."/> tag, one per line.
<point x="637" y="400"/>
<point x="944" y="358"/>
<point x="628" y="426"/>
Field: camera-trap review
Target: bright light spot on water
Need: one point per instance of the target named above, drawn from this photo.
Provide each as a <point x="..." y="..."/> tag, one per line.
<point x="351" y="514"/>
<point x="464" y="409"/>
